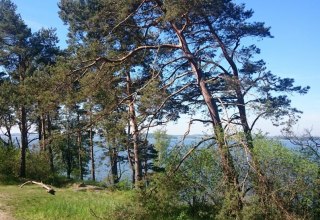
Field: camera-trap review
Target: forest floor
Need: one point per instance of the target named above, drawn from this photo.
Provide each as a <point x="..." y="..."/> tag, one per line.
<point x="33" y="202"/>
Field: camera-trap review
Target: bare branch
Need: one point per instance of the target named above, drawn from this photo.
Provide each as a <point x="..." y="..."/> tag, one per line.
<point x="256" y="119"/>
<point x="190" y="152"/>
<point x="48" y="188"/>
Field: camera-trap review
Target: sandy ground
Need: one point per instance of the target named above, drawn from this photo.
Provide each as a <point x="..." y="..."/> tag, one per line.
<point x="5" y="216"/>
<point x="4" y="210"/>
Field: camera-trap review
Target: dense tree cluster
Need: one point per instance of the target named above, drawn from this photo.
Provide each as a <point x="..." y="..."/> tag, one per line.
<point x="132" y="66"/>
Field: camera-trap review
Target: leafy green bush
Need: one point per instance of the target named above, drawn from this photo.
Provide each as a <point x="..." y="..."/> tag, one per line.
<point x="291" y="177"/>
<point x="9" y="160"/>
<point x="37" y="166"/>
<point x="191" y="192"/>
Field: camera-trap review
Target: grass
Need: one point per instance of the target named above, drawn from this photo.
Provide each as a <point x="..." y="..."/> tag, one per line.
<point x="32" y="202"/>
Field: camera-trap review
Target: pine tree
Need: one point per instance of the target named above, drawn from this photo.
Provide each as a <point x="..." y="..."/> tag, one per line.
<point x="22" y="54"/>
<point x="196" y="48"/>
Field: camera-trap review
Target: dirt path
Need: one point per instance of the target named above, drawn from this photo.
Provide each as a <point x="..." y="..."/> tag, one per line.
<point x="5" y="216"/>
<point x="4" y="209"/>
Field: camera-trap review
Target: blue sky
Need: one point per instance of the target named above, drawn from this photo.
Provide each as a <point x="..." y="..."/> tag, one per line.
<point x="293" y="52"/>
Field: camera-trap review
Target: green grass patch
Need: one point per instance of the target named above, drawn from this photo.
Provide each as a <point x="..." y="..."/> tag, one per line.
<point x="32" y="202"/>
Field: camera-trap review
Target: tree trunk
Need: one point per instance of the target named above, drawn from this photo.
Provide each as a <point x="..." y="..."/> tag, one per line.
<point x="114" y="163"/>
<point x="130" y="157"/>
<point x="42" y="134"/>
<point x="8" y="129"/>
<point x="79" y="144"/>
<point x="80" y="154"/>
<point x="93" y="171"/>
<point x="39" y="130"/>
<point x="68" y="153"/>
<point x="237" y="87"/>
<point x="228" y="168"/>
<point x="23" y="126"/>
<point x="135" y="135"/>
<point x="24" y="141"/>
<point x="50" y="152"/>
<point x="263" y="187"/>
<point x="145" y="174"/>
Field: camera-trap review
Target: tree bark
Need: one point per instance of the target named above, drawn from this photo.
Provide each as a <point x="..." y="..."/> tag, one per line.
<point x="135" y="135"/>
<point x="79" y="144"/>
<point x="23" y="122"/>
<point x="228" y="168"/>
<point x="50" y="152"/>
<point x="39" y="130"/>
<point x="130" y="157"/>
<point x="114" y="163"/>
<point x="93" y="171"/>
<point x="68" y="153"/>
<point x="24" y="141"/>
<point x="80" y="154"/>
<point x="263" y="188"/>
<point x="237" y="87"/>
<point x="7" y="121"/>
<point x="42" y="134"/>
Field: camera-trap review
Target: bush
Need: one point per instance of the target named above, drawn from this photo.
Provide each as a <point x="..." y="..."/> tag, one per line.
<point x="9" y="160"/>
<point x="37" y="166"/>
<point x="192" y="192"/>
<point x="291" y="177"/>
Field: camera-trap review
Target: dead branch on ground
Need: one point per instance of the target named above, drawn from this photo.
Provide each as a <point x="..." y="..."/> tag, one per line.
<point x="48" y="188"/>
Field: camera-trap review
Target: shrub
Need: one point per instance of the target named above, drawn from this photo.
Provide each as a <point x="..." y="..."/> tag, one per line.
<point x="9" y="160"/>
<point x="291" y="177"/>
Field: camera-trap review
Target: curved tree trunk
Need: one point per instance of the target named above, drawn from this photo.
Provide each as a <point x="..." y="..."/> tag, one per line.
<point x="230" y="174"/>
<point x="263" y="187"/>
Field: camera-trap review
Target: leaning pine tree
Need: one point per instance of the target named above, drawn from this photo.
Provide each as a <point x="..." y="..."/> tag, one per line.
<point x="196" y="46"/>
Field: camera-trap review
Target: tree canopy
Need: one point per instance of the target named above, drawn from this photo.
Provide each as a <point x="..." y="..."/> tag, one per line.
<point x="134" y="66"/>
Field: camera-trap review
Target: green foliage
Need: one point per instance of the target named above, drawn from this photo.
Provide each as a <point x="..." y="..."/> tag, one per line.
<point x="66" y="155"/>
<point x="230" y="207"/>
<point x="179" y="8"/>
<point x="142" y="56"/>
<point x="192" y="192"/>
<point x="164" y="199"/>
<point x="254" y="210"/>
<point x="292" y="177"/>
<point x="13" y="35"/>
<point x="38" y="166"/>
<point x="161" y="145"/>
<point x="9" y="160"/>
<point x="36" y="162"/>
<point x="124" y="185"/>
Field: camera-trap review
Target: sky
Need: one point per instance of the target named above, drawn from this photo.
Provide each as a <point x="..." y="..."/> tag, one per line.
<point x="293" y="52"/>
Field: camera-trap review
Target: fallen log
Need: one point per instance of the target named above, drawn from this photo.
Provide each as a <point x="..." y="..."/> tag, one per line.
<point x="48" y="188"/>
